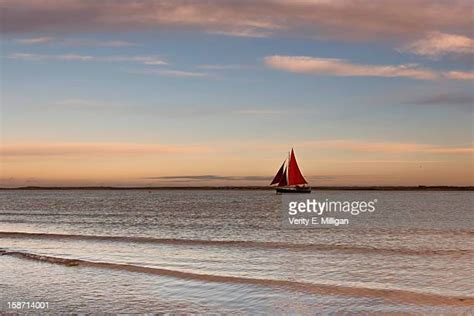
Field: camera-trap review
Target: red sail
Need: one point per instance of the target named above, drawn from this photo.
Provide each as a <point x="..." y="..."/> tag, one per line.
<point x="279" y="174"/>
<point x="283" y="181"/>
<point x="294" y="174"/>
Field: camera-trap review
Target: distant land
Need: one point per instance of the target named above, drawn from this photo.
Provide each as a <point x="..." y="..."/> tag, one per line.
<point x="361" y="188"/>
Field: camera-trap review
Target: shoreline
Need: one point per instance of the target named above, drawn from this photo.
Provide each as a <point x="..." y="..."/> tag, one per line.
<point x="395" y="295"/>
<point x="262" y="188"/>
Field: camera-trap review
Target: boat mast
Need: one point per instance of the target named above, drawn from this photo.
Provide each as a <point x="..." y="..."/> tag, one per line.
<point x="288" y="168"/>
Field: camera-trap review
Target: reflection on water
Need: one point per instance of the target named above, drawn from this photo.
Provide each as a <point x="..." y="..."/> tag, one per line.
<point x="234" y="234"/>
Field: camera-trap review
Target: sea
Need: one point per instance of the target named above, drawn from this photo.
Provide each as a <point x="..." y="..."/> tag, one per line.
<point x="224" y="252"/>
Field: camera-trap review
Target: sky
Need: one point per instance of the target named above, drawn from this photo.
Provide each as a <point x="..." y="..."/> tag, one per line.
<point x="190" y="93"/>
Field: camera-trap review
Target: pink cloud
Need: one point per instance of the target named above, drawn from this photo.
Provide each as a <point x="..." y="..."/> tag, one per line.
<point x="95" y="43"/>
<point x="35" y="40"/>
<point x="85" y="149"/>
<point x="147" y="60"/>
<point x="359" y="19"/>
<point x="437" y="44"/>
<point x="73" y="42"/>
<point x="171" y="73"/>
<point x="340" y="67"/>
<point x="385" y="147"/>
<point x="29" y="149"/>
<point x="460" y="75"/>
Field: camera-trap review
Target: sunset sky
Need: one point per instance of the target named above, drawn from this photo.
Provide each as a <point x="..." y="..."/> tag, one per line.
<point x="216" y="92"/>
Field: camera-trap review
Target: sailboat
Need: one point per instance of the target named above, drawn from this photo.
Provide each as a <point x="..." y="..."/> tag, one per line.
<point x="289" y="178"/>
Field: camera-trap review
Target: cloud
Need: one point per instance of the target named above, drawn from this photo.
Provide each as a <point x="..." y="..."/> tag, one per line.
<point x="96" y="148"/>
<point x="384" y="147"/>
<point x="73" y="42"/>
<point x="34" y="40"/>
<point x="445" y="98"/>
<point x="437" y="44"/>
<point x="221" y="67"/>
<point x="180" y="73"/>
<point x="170" y="73"/>
<point x="96" y="43"/>
<point x="460" y="75"/>
<point x="211" y="177"/>
<point x="39" y="57"/>
<point x="340" y="67"/>
<point x="360" y="146"/>
<point x="354" y="20"/>
<point x="243" y="33"/>
<point x="147" y="60"/>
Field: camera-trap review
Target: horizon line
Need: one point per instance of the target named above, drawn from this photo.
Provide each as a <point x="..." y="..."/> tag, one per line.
<point x="372" y="188"/>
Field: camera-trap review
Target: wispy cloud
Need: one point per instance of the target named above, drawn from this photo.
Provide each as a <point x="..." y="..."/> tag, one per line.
<point x="26" y="149"/>
<point x="222" y="67"/>
<point x="343" y="68"/>
<point x="147" y="60"/>
<point x="452" y="98"/>
<point x="211" y="178"/>
<point x="437" y="44"/>
<point x="385" y="147"/>
<point x="171" y="73"/>
<point x="180" y="73"/>
<point x="73" y="42"/>
<point x="97" y="43"/>
<point x="360" y="146"/>
<point x="460" y="75"/>
<point x="364" y="19"/>
<point x="245" y="32"/>
<point x="34" y="40"/>
<point x="39" y="57"/>
<point x="95" y="148"/>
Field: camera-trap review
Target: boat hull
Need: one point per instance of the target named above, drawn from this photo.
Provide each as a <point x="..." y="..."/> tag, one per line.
<point x="294" y="190"/>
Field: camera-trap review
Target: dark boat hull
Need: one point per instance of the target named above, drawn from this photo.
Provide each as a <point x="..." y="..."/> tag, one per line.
<point x="294" y="190"/>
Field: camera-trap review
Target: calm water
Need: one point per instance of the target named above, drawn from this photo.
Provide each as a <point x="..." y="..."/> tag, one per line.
<point x="226" y="252"/>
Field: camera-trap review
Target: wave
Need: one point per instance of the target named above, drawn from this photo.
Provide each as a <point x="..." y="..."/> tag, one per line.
<point x="390" y="294"/>
<point x="115" y="214"/>
<point x="242" y="244"/>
